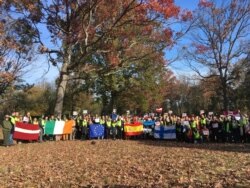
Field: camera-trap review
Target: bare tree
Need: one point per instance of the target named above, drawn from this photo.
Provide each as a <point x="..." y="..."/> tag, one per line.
<point x="219" y="40"/>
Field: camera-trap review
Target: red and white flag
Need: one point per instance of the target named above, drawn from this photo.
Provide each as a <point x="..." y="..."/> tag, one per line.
<point x="25" y="131"/>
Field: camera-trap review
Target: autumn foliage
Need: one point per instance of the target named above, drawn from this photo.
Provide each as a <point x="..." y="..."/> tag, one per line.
<point x="124" y="164"/>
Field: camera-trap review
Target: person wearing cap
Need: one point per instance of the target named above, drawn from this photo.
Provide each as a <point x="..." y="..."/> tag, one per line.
<point x="7" y="126"/>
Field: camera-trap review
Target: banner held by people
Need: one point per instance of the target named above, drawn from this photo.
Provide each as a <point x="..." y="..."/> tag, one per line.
<point x="96" y="131"/>
<point x="25" y="131"/>
<point x="133" y="129"/>
<point x="165" y="132"/>
<point x="58" y="127"/>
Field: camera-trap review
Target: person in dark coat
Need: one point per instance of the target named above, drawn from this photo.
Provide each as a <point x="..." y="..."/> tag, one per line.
<point x="7" y="127"/>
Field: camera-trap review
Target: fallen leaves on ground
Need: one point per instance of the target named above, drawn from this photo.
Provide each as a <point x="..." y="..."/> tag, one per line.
<point x="124" y="163"/>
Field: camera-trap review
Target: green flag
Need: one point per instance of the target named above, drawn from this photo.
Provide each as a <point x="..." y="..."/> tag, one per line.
<point x="49" y="127"/>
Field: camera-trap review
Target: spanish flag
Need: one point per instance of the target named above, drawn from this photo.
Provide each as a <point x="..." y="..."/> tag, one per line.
<point x="133" y="129"/>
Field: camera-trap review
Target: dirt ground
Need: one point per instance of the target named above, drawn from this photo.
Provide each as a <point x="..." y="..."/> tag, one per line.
<point x="124" y="163"/>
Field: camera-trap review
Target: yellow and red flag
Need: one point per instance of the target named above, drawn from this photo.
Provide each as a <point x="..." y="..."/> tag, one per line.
<point x="133" y="129"/>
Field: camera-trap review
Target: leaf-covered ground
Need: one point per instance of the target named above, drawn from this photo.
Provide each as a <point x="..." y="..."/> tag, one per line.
<point x="124" y="163"/>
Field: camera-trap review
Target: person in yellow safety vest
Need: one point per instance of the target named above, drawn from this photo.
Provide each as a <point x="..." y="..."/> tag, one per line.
<point x="13" y="118"/>
<point x="196" y="135"/>
<point x="203" y="128"/>
<point x="84" y="128"/>
<point x="193" y="126"/>
<point x="113" y="129"/>
<point x="17" y="117"/>
<point x="42" y="123"/>
<point x="119" y="127"/>
<point x="108" y="126"/>
<point x="242" y="124"/>
<point x="13" y="123"/>
<point x="203" y="121"/>
<point x="102" y="120"/>
<point x="193" y="123"/>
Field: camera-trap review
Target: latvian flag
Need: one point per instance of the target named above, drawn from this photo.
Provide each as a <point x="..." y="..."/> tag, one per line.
<point x="25" y="131"/>
<point x="165" y="132"/>
<point x="133" y="129"/>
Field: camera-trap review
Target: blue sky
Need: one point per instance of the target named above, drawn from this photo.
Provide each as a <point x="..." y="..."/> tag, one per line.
<point x="41" y="71"/>
<point x="179" y="67"/>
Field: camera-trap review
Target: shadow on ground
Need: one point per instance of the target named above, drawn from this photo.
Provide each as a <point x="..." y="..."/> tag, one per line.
<point x="228" y="147"/>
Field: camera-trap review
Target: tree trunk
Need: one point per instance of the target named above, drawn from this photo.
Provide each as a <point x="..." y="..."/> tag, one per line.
<point x="61" y="88"/>
<point x="62" y="83"/>
<point x="225" y="96"/>
<point x="113" y="100"/>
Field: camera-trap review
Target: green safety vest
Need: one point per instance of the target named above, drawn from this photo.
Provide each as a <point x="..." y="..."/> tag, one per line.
<point x="196" y="135"/>
<point x="108" y="123"/>
<point x="193" y="124"/>
<point x="43" y="122"/>
<point x="102" y="122"/>
<point x="119" y="123"/>
<point x="113" y="124"/>
<point x="203" y="121"/>
<point x="243" y="122"/>
<point x="13" y="120"/>
<point x="84" y="123"/>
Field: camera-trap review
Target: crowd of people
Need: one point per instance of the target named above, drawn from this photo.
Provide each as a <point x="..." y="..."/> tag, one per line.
<point x="194" y="129"/>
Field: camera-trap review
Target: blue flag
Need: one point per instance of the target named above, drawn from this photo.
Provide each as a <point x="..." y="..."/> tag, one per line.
<point x="96" y="130"/>
<point x="148" y="123"/>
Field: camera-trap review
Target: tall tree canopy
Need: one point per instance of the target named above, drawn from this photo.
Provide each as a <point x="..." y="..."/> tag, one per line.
<point x="16" y="49"/>
<point x="87" y="34"/>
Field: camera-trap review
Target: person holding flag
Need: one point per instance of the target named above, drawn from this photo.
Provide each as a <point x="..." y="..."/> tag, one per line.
<point x="7" y="127"/>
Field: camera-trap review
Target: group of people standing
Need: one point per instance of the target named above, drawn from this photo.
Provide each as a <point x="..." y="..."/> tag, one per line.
<point x="202" y="128"/>
<point x="229" y="128"/>
<point x="8" y="125"/>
